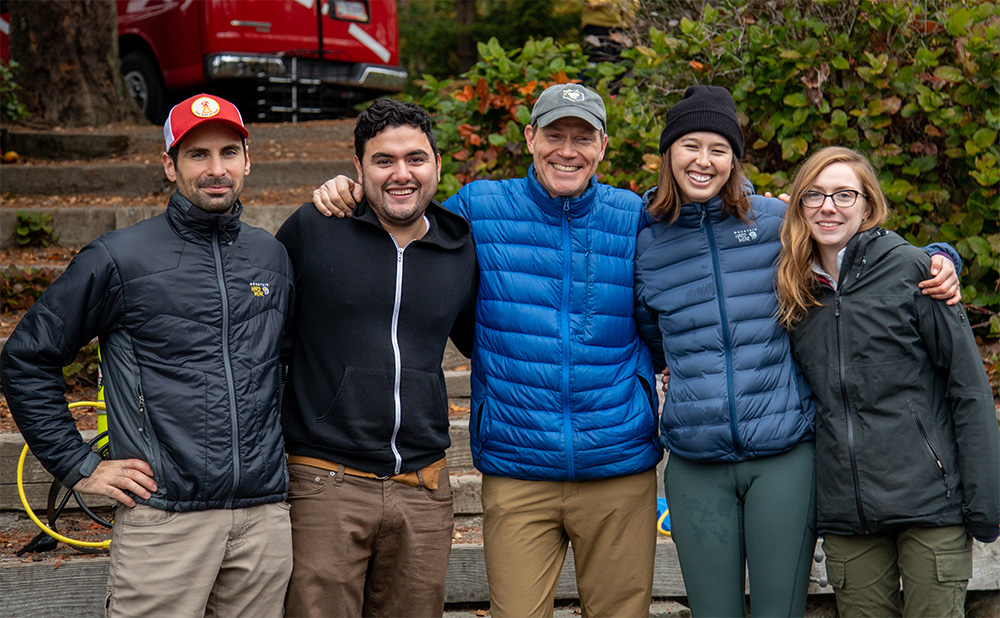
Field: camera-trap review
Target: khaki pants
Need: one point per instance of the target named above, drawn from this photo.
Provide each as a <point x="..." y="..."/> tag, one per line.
<point x="528" y="525"/>
<point x="935" y="564"/>
<point x="367" y="547"/>
<point x="222" y="562"/>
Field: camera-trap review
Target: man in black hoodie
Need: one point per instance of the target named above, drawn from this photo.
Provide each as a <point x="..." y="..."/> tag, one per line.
<point x="365" y="411"/>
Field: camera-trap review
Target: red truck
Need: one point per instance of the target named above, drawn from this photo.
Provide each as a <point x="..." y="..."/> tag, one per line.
<point x="276" y="59"/>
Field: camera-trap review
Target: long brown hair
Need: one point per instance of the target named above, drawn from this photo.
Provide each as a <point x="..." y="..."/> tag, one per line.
<point x="665" y="204"/>
<point x="795" y="278"/>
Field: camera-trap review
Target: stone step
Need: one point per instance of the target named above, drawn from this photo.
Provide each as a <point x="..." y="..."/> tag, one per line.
<point x="55" y="146"/>
<point x="141" y="179"/>
<point x="80" y="225"/>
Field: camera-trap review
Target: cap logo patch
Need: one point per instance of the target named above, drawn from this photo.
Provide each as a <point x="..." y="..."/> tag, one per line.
<point x="573" y="95"/>
<point x="205" y="107"/>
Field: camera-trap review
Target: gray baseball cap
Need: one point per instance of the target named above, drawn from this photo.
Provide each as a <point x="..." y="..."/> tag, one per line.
<point x="564" y="100"/>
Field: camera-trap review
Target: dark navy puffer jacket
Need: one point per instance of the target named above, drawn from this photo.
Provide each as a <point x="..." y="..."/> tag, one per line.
<point x="705" y="304"/>
<point x="189" y="307"/>
<point x="562" y="387"/>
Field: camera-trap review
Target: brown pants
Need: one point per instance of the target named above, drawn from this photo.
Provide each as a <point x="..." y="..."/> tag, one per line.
<point x="528" y="525"/>
<point x="367" y="547"/>
<point x="222" y="562"/>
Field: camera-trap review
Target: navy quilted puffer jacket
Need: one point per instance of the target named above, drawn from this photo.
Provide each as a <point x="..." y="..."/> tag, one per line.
<point x="705" y="304"/>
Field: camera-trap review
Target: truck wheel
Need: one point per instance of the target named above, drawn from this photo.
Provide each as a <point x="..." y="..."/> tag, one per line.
<point x="144" y="83"/>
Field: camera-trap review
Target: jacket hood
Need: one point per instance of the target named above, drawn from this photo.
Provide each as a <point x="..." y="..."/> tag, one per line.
<point x="193" y="223"/>
<point x="447" y="229"/>
<point x="557" y="206"/>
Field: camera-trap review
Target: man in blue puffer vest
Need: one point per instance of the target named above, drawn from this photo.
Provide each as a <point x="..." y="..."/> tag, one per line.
<point x="563" y="402"/>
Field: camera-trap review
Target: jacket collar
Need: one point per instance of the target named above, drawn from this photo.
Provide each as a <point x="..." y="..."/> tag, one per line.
<point x="558" y="206"/>
<point x="446" y="229"/>
<point x="693" y="213"/>
<point x="193" y="223"/>
<point x="863" y="251"/>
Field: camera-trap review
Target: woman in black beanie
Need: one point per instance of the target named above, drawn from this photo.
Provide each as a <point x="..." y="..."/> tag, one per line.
<point x="738" y="418"/>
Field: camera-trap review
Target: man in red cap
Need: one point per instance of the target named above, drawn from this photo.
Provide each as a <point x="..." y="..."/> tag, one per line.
<point x="189" y="308"/>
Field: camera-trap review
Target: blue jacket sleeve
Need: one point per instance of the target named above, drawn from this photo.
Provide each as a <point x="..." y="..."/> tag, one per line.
<point x="943" y="247"/>
<point x="83" y="302"/>
<point x="646" y="319"/>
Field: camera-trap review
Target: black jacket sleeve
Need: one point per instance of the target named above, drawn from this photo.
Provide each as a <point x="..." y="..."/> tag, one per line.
<point x="83" y="302"/>
<point x="463" y="331"/>
<point x="952" y="349"/>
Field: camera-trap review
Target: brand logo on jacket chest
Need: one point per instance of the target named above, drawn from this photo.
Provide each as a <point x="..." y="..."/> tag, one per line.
<point x="745" y="235"/>
<point x="259" y="289"/>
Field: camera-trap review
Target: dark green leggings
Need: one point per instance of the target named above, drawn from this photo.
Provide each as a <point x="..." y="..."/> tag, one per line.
<point x="757" y="515"/>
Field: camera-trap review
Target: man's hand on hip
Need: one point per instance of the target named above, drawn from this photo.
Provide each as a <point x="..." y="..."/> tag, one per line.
<point x="114" y="477"/>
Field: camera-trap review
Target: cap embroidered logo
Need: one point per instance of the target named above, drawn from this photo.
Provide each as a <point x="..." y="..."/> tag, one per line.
<point x="574" y="95"/>
<point x="205" y="107"/>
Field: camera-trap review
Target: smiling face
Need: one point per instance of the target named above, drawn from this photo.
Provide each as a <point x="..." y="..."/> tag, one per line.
<point x="566" y="153"/>
<point x="400" y="174"/>
<point x="701" y="163"/>
<point x="831" y="227"/>
<point x="211" y="165"/>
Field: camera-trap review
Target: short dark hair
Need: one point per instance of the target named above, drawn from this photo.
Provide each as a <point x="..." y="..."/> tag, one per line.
<point x="175" y="151"/>
<point x="384" y="113"/>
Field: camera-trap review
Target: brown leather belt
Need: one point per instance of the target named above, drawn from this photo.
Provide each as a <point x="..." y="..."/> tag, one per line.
<point x="427" y="476"/>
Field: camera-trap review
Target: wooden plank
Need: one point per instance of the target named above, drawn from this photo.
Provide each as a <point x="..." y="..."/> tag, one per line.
<point x="76" y="587"/>
<point x="459" y="454"/>
<point x="468" y="490"/>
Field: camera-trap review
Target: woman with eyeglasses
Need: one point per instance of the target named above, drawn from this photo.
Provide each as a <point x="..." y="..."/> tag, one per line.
<point x="738" y="416"/>
<point x="907" y="447"/>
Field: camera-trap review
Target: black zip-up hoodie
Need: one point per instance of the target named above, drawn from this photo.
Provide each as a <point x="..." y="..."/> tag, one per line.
<point x="365" y="386"/>
<point x="906" y="431"/>
<point x="189" y="307"/>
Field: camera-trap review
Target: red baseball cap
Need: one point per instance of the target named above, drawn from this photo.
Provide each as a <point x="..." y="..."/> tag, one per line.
<point x="198" y="110"/>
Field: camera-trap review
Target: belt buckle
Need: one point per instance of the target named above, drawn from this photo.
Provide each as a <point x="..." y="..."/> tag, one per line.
<point x="384" y="477"/>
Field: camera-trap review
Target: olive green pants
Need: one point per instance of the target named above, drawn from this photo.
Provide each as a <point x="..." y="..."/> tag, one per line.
<point x="756" y="516"/>
<point x="934" y="563"/>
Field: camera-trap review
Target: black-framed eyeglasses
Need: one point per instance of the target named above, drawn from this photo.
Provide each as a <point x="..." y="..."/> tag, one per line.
<point x="841" y="199"/>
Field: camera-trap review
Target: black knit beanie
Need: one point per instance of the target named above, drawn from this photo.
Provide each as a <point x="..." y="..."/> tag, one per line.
<point x="703" y="108"/>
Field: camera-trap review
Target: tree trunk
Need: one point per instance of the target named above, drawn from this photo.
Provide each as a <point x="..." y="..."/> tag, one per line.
<point x="70" y="73"/>
<point x="465" y="12"/>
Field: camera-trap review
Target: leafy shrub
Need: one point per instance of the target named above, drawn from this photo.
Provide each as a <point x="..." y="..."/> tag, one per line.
<point x="34" y="229"/>
<point x="481" y="118"/>
<point x="22" y="287"/>
<point x="11" y="109"/>
<point x="916" y="87"/>
<point x="428" y="30"/>
<point x="84" y="369"/>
